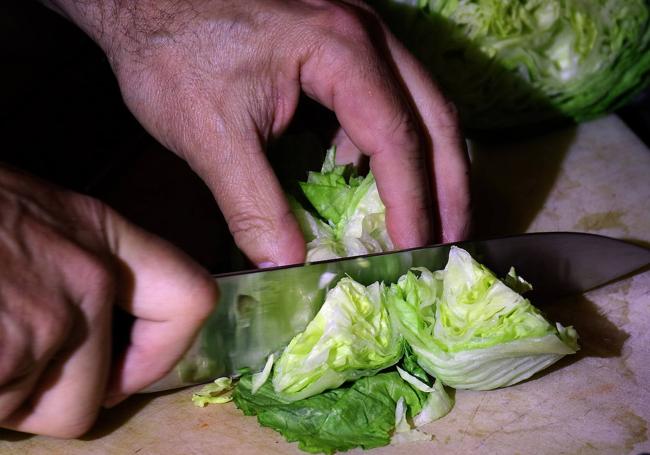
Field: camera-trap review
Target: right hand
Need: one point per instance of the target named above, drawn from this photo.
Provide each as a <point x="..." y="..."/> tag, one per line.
<point x="65" y="260"/>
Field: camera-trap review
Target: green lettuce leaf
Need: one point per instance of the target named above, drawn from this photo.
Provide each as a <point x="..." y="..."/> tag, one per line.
<point x="351" y="215"/>
<point x="351" y="336"/>
<point x="470" y="330"/>
<point x="410" y="364"/>
<point x="362" y="415"/>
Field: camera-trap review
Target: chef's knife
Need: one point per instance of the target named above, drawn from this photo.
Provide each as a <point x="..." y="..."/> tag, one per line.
<point x="260" y="311"/>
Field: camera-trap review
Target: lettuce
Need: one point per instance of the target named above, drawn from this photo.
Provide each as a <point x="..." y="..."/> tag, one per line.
<point x="510" y="63"/>
<point x="351" y="336"/>
<point x="351" y="215"/>
<point x="217" y="392"/>
<point x="359" y="375"/>
<point x="361" y="415"/>
<point x="470" y="330"/>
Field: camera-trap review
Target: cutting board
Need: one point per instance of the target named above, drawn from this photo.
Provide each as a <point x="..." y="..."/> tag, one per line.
<point x="593" y="178"/>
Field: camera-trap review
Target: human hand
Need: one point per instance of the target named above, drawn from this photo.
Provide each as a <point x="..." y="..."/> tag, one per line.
<point x="66" y="260"/>
<point x="214" y="80"/>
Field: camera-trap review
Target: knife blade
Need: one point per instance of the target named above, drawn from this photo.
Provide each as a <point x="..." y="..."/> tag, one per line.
<point x="260" y="311"/>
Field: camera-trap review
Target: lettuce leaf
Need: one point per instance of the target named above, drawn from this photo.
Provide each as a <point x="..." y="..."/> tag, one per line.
<point x="351" y="336"/>
<point x="217" y="392"/>
<point x="362" y="415"/>
<point x="351" y="215"/>
<point x="461" y="325"/>
<point x="470" y="330"/>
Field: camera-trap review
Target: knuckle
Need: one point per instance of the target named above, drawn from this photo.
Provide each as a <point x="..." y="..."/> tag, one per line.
<point x="98" y="280"/>
<point x="97" y="273"/>
<point x="343" y="23"/>
<point x="93" y="209"/>
<point x="54" y="328"/>
<point x="403" y="127"/>
<point x="15" y="361"/>
<point x="247" y="224"/>
<point x="30" y="336"/>
<point x="448" y="121"/>
<point x="401" y="131"/>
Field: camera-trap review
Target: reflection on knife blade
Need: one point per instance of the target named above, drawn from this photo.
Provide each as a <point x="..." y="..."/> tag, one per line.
<point x="283" y="300"/>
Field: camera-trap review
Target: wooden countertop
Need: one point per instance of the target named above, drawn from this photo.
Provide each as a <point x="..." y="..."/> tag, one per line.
<point x="593" y="178"/>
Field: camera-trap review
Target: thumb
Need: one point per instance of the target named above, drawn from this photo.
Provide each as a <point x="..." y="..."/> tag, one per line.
<point x="169" y="295"/>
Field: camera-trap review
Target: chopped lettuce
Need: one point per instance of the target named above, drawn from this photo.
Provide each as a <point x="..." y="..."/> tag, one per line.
<point x="351" y="336"/>
<point x="219" y="391"/>
<point x="438" y="403"/>
<point x="361" y="415"/>
<point x="470" y="330"/>
<point x="260" y="378"/>
<point x="351" y="215"/>
<point x="359" y="375"/>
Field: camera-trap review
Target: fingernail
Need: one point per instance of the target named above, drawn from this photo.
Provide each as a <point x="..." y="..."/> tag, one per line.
<point x="266" y="265"/>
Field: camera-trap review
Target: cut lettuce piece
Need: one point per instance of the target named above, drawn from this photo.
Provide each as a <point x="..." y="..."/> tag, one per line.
<point x="361" y="415"/>
<point x="219" y="391"/>
<point x="260" y="378"/>
<point x="401" y="424"/>
<point x="470" y="330"/>
<point x="351" y="336"/>
<point x="438" y="403"/>
<point x="352" y="216"/>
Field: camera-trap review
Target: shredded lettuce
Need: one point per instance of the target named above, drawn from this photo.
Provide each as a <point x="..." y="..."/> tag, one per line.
<point x="513" y="63"/>
<point x="219" y="391"/>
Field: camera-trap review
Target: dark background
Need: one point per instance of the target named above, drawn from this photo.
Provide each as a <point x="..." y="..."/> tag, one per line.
<point x="63" y="119"/>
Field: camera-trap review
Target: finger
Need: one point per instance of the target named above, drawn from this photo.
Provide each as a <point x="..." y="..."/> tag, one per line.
<point x="249" y="195"/>
<point x="14" y="394"/>
<point x="168" y="293"/>
<point x="347" y="74"/>
<point x="28" y="350"/>
<point x="61" y="404"/>
<point x="66" y="398"/>
<point x="450" y="164"/>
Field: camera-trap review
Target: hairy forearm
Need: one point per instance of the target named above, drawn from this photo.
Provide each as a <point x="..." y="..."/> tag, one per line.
<point x="119" y="25"/>
<point x="97" y="18"/>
